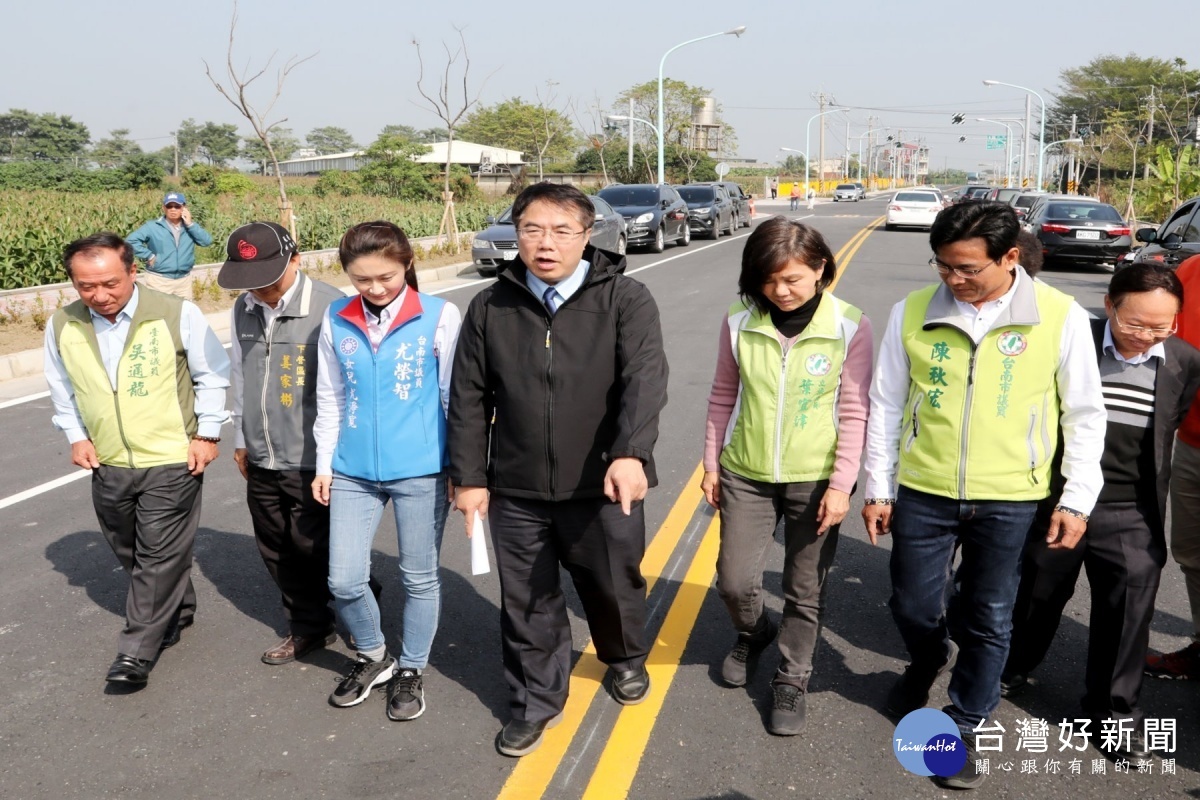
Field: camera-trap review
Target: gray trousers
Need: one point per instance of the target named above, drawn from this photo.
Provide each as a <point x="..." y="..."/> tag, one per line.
<point x="750" y="512"/>
<point x="149" y="517"/>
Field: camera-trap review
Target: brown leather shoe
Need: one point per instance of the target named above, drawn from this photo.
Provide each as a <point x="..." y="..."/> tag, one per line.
<point x="294" y="647"/>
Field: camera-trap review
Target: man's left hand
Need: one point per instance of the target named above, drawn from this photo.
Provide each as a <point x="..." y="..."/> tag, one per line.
<point x="1065" y="531"/>
<point x="200" y="455"/>
<point x="625" y="482"/>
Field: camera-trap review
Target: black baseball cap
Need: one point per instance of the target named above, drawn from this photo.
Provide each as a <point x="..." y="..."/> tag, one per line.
<point x="257" y="256"/>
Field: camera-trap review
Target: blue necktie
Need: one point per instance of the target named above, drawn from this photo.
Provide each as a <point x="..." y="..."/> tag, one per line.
<point x="550" y="300"/>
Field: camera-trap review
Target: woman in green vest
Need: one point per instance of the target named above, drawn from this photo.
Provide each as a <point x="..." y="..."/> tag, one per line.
<point x="787" y="417"/>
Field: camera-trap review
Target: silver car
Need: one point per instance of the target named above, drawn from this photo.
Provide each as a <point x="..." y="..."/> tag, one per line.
<point x="849" y="191"/>
<point x="496" y="244"/>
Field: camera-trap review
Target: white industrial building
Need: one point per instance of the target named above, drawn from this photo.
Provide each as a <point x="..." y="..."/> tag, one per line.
<point x="479" y="158"/>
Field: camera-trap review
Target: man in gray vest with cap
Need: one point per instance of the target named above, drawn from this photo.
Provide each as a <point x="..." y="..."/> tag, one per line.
<point x="273" y="350"/>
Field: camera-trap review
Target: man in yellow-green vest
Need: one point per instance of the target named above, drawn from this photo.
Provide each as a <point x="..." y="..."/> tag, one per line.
<point x="977" y="375"/>
<point x="138" y="382"/>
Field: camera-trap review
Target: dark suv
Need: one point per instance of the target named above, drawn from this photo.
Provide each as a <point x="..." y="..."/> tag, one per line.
<point x="741" y="201"/>
<point x="710" y="211"/>
<point x="1177" y="240"/>
<point x="654" y="214"/>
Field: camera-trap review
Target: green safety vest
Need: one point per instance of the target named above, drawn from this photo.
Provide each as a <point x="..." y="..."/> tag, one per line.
<point x="981" y="422"/>
<point x="784" y="428"/>
<point x="148" y="418"/>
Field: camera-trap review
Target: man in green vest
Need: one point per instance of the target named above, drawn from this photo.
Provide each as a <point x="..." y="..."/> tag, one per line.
<point x="976" y="376"/>
<point x="138" y="382"/>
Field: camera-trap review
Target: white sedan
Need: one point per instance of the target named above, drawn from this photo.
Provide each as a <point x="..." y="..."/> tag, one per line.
<point x="913" y="208"/>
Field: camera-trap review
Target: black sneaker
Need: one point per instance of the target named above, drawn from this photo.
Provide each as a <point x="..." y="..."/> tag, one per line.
<point x="520" y="738"/>
<point x="911" y="691"/>
<point x="361" y="679"/>
<point x="787" y="711"/>
<point x="406" y="696"/>
<point x="969" y="777"/>
<point x="1012" y="684"/>
<point x="743" y="658"/>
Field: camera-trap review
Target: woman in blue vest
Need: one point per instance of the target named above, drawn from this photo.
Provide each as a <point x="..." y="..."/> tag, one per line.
<point x="383" y="383"/>
<point x="787" y="417"/>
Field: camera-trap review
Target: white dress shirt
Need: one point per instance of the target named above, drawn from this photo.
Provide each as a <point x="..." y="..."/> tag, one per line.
<point x="1081" y="400"/>
<point x="331" y="389"/>
<point x="270" y="314"/>
<point x="207" y="363"/>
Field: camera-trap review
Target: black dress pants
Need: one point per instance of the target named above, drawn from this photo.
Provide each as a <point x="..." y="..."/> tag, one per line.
<point x="149" y="517"/>
<point x="602" y="550"/>
<point x="292" y="531"/>
<point x="1123" y="552"/>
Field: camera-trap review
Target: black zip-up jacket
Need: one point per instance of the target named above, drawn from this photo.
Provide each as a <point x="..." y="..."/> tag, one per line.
<point x="540" y="405"/>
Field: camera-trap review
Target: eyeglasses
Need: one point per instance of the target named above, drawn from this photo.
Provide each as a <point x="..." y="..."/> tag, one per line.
<point x="532" y="233"/>
<point x="962" y="272"/>
<point x="1142" y="331"/>
<point x="172" y="205"/>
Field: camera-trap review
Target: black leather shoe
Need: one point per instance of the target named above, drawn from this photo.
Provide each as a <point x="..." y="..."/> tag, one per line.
<point x="127" y="669"/>
<point x="630" y="686"/>
<point x="520" y="738"/>
<point x="174" y="633"/>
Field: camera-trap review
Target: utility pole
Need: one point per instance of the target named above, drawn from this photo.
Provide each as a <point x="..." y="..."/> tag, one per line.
<point x="1149" y="133"/>
<point x="175" y="139"/>
<point x="631" y="137"/>
<point x="820" y="98"/>
<point x="846" y="161"/>
<point x="1028" y="133"/>
<point x="1071" y="187"/>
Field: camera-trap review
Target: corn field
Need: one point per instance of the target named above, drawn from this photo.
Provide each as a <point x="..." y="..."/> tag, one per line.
<point x="36" y="226"/>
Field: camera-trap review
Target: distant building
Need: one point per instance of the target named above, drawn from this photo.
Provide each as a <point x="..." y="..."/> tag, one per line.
<point x="479" y="158"/>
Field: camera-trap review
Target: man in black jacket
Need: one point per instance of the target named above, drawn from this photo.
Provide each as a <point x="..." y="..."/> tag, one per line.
<point x="1149" y="380"/>
<point x="559" y="378"/>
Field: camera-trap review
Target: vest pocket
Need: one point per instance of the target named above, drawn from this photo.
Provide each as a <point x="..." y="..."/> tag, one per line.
<point x="915" y="428"/>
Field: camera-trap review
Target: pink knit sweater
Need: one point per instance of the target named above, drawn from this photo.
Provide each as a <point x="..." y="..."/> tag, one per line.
<point x="853" y="402"/>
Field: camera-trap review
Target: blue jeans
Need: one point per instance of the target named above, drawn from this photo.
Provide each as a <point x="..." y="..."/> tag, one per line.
<point x="992" y="533"/>
<point x="355" y="508"/>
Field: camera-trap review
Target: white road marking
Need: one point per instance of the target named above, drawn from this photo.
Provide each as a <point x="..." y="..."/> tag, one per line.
<point x="49" y="486"/>
<point x="26" y="399"/>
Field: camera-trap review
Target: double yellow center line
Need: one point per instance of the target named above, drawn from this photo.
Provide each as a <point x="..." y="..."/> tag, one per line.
<point x="618" y="764"/>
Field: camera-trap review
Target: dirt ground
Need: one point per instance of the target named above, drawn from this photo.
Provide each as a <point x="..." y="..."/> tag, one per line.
<point x="25" y="334"/>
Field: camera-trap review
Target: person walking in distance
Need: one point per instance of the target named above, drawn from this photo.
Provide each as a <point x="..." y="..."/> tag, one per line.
<point x="794" y="197"/>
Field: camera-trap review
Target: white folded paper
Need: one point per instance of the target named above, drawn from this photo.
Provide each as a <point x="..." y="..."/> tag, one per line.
<point x="479" y="554"/>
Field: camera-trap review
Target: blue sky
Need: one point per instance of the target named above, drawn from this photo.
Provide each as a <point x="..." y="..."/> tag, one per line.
<point x="141" y="66"/>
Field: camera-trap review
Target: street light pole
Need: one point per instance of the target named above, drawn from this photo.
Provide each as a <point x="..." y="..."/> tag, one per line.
<point x="1042" y="135"/>
<point x="738" y="31"/>
<point x="808" y="141"/>
<point x="1007" y="148"/>
<point x="1048" y="145"/>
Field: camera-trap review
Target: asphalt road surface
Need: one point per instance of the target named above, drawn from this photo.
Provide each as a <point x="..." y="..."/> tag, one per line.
<point x="215" y="722"/>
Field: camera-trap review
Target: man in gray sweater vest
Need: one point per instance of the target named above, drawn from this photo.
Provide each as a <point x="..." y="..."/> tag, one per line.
<point x="273" y="348"/>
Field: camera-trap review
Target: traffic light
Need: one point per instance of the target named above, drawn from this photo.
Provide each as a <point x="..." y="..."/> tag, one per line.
<point x="958" y="119"/>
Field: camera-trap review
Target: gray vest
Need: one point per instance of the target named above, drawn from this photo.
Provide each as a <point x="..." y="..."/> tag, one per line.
<point x="279" y="377"/>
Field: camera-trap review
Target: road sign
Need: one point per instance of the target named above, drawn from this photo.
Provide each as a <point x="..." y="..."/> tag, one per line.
<point x="722" y="169"/>
<point x="995" y="141"/>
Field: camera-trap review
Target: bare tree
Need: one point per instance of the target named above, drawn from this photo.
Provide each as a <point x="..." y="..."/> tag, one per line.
<point x="450" y="112"/>
<point x="548" y="125"/>
<point x="236" y="95"/>
<point x="597" y="133"/>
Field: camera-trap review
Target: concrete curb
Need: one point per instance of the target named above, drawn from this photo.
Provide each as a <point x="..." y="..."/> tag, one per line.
<point x="28" y="363"/>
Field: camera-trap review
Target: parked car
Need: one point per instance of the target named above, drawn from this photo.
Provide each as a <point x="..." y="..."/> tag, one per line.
<point x="497" y="243"/>
<point x="1023" y="201"/>
<point x="654" y="214"/>
<point x="741" y="201"/>
<point x="916" y="208"/>
<point x="1175" y="241"/>
<point x="849" y="191"/>
<point x="710" y="211"/>
<point x="1073" y="228"/>
<point x="970" y="192"/>
<point x="1003" y="195"/>
<point x="862" y="190"/>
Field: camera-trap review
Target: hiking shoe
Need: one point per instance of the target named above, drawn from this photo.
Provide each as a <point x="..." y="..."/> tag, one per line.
<point x="743" y="658"/>
<point x="911" y="691"/>
<point x="406" y="697"/>
<point x="969" y="777"/>
<point x="787" y="710"/>
<point x="360" y="680"/>
<point x="1182" y="665"/>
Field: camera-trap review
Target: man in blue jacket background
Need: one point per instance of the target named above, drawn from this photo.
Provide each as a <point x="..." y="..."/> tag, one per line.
<point x="167" y="247"/>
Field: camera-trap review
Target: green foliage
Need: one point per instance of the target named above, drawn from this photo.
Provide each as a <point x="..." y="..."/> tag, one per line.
<point x="337" y="183"/>
<point x="35" y="226"/>
<point x="216" y="144"/>
<point x="1175" y="178"/>
<point x="114" y="151"/>
<point x="411" y="134"/>
<point x="142" y="171"/>
<point x="233" y="183"/>
<point x="43" y="137"/>
<point x="678" y="100"/>
<point x="201" y="176"/>
<point x="391" y="172"/>
<point x="330" y="139"/>
<point x="542" y="133"/>
<point x="951" y="176"/>
<point x="68" y="178"/>
<point x="282" y="141"/>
